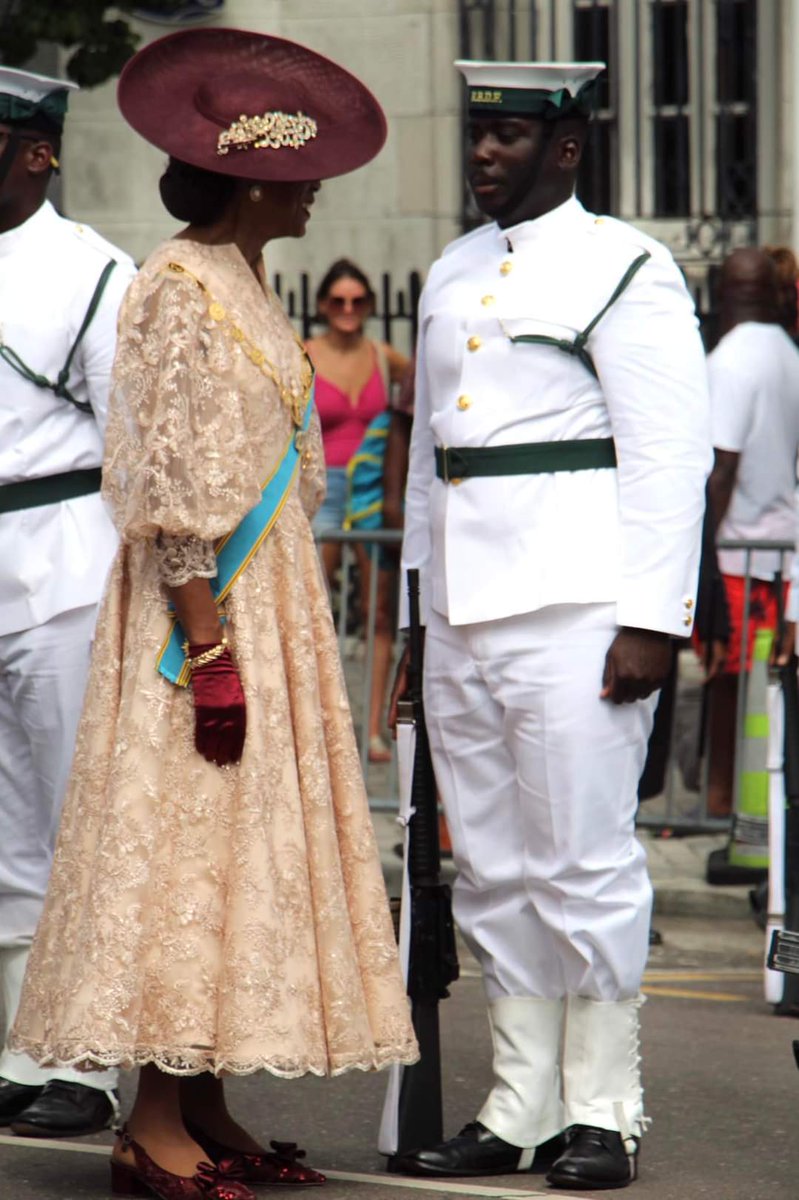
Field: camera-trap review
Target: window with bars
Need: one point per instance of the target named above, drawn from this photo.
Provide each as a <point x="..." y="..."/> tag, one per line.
<point x="671" y="111"/>
<point x="591" y="34"/>
<point x="735" y="108"/>
<point x="687" y="78"/>
<point x="675" y="135"/>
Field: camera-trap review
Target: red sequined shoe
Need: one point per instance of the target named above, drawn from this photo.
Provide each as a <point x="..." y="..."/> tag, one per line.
<point x="211" y="1181"/>
<point x="282" y="1166"/>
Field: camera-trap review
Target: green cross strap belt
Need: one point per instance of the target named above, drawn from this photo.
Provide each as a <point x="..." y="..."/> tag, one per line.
<point x="454" y="463"/>
<point x="59" y="387"/>
<point x="537" y="458"/>
<point x="50" y="489"/>
<point x="577" y="347"/>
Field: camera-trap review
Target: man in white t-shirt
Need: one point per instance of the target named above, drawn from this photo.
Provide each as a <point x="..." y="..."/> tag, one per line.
<point x="754" y="393"/>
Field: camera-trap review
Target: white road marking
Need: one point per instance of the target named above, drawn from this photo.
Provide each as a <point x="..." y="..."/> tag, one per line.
<point x="691" y="994"/>
<point x="25" y="1143"/>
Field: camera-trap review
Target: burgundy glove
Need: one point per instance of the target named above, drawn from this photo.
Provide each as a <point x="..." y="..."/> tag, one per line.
<point x="220" y="712"/>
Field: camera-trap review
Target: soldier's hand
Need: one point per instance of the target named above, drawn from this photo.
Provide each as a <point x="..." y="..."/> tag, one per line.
<point x="398" y="690"/>
<point x="718" y="657"/>
<point x="637" y="664"/>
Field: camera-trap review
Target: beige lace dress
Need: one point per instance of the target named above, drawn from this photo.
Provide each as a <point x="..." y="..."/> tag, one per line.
<point x="202" y="918"/>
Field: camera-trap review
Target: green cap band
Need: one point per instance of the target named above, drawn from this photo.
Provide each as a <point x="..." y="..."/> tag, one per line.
<point x="533" y="102"/>
<point x="52" y="108"/>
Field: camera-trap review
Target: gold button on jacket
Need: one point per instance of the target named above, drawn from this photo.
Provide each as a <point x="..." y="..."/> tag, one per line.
<point x="474" y="342"/>
<point x="464" y="402"/>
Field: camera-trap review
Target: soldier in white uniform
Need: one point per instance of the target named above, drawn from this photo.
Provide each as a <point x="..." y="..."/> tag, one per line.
<point x="554" y="509"/>
<point x="60" y="288"/>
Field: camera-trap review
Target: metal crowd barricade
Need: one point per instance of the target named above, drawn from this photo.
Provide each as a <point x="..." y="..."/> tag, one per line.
<point x="749" y="548"/>
<point x="356" y="644"/>
<point x="679" y="808"/>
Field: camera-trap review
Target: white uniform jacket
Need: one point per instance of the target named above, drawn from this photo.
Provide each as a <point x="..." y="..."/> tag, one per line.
<point x="55" y="557"/>
<point x="494" y="547"/>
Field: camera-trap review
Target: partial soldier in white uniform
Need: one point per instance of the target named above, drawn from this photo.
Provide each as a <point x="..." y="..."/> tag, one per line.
<point x="554" y="510"/>
<point x="60" y="288"/>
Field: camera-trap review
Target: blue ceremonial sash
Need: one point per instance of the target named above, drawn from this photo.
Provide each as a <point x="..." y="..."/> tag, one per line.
<point x="236" y="550"/>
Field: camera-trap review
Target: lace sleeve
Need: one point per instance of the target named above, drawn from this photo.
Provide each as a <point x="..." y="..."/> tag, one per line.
<point x="181" y="448"/>
<point x="180" y="559"/>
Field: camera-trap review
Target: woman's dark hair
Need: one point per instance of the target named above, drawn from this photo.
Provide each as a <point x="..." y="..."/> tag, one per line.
<point x="193" y="195"/>
<point x="344" y="268"/>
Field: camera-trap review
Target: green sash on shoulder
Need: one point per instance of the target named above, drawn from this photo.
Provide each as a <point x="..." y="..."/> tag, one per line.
<point x="236" y="550"/>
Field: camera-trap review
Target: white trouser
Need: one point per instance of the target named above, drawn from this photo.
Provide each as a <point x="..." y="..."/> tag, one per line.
<point x="42" y="680"/>
<point x="539" y="777"/>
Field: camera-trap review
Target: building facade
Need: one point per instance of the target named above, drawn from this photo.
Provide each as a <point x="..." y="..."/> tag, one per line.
<point x="696" y="138"/>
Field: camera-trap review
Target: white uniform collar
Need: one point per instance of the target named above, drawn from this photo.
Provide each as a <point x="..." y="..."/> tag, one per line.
<point x="13" y="240"/>
<point x="546" y="226"/>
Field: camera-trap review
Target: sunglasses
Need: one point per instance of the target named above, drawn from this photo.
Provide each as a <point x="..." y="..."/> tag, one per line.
<point x="358" y="304"/>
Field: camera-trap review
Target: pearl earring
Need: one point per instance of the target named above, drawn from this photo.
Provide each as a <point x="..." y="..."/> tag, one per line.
<point x="256" y="193"/>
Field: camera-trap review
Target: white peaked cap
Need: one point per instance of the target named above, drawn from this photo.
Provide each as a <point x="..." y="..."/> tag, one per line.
<point x="534" y="76"/>
<point x="547" y="90"/>
<point x="26" y="85"/>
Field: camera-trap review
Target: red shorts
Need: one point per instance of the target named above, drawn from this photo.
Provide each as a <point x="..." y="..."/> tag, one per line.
<point x="762" y="615"/>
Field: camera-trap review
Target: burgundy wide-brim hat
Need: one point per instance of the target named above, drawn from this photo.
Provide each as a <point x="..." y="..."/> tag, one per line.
<point x="250" y="105"/>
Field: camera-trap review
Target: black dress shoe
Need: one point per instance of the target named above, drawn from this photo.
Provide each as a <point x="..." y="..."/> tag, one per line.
<point x="66" y="1110"/>
<point x="15" y="1098"/>
<point x="549" y="1152"/>
<point x="473" y="1151"/>
<point x="595" y="1160"/>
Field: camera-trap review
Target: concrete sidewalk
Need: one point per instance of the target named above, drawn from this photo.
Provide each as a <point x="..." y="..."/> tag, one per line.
<point x="676" y="865"/>
<point x="677" y="868"/>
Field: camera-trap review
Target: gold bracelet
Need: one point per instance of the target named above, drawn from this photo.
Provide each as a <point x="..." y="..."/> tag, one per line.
<point x="207" y="656"/>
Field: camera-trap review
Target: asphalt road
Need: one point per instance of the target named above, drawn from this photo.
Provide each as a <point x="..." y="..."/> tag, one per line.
<point x="721" y="1087"/>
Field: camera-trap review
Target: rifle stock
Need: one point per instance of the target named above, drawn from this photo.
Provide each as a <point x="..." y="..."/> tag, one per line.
<point x="433" y="962"/>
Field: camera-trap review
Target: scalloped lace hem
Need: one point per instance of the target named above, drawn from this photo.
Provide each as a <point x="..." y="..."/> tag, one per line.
<point x="197" y="1062"/>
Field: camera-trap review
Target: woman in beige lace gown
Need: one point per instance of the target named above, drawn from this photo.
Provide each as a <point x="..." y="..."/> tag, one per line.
<point x="206" y="919"/>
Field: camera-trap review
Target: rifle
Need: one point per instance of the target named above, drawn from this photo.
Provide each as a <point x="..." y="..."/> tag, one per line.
<point x="433" y="960"/>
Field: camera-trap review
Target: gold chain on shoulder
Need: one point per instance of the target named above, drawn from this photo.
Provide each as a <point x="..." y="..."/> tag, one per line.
<point x="293" y="398"/>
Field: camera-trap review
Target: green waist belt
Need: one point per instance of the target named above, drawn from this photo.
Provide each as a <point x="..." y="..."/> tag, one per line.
<point x="50" y="489"/>
<point x="529" y="458"/>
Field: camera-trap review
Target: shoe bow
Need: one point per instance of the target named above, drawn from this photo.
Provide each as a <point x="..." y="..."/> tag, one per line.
<point x="217" y="1176"/>
<point x="286" y="1162"/>
<point x="288" y="1150"/>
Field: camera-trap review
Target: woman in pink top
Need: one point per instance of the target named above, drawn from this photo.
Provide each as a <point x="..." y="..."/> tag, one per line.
<point x="353" y="378"/>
